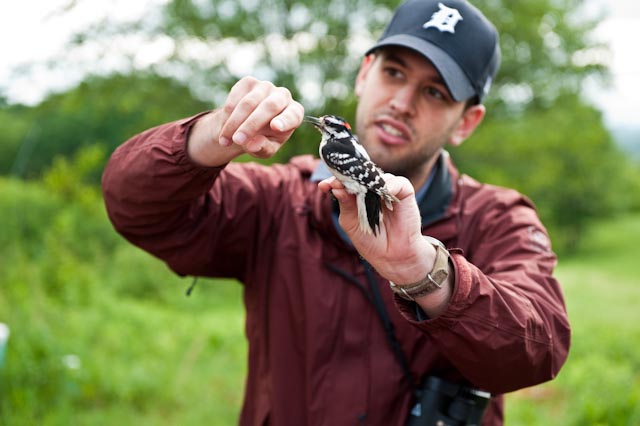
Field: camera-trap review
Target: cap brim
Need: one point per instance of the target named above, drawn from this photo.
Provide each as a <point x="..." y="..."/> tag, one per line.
<point x="453" y="76"/>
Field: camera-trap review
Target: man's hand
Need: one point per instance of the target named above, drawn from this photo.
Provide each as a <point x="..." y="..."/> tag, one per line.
<point x="399" y="252"/>
<point x="398" y="249"/>
<point x="257" y="118"/>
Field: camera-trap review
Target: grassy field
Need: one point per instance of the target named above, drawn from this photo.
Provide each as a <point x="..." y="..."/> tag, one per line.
<point x="600" y="384"/>
<point x="104" y="334"/>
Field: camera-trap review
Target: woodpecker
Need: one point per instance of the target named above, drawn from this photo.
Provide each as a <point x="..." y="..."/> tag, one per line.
<point x="349" y="162"/>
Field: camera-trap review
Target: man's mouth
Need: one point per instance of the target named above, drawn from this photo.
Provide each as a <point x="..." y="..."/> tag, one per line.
<point x="391" y="130"/>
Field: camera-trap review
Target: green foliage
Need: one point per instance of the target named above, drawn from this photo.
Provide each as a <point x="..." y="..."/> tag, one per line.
<point x="314" y="48"/>
<point x="101" y="111"/>
<point x="16" y="139"/>
<point x="547" y="53"/>
<point x="102" y="333"/>
<point x="600" y="384"/>
<point x="563" y="159"/>
<point x="73" y="178"/>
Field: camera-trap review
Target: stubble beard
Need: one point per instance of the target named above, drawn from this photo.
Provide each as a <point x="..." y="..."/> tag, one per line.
<point x="411" y="164"/>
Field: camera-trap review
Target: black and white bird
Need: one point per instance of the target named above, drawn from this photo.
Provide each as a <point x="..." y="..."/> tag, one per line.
<point x="349" y="162"/>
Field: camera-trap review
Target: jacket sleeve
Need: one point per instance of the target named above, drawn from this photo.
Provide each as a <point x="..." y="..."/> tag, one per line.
<point x="200" y="221"/>
<point x="506" y="326"/>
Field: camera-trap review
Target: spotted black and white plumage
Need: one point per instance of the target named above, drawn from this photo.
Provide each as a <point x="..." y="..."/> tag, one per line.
<point x="349" y="162"/>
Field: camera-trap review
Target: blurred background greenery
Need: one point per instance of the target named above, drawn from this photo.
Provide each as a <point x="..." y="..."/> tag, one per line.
<point x="102" y="333"/>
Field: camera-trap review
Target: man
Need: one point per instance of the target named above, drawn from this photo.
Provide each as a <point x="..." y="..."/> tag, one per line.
<point x="493" y="318"/>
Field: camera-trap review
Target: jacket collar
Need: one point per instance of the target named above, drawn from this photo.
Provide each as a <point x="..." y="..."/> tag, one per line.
<point x="435" y="202"/>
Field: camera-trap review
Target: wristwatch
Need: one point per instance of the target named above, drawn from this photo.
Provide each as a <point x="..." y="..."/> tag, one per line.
<point x="434" y="279"/>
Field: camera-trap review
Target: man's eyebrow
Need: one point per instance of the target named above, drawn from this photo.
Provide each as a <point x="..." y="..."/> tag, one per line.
<point x="394" y="58"/>
<point x="391" y="57"/>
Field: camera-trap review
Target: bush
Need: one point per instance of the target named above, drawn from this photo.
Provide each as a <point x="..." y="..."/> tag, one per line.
<point x="563" y="159"/>
<point x="102" y="333"/>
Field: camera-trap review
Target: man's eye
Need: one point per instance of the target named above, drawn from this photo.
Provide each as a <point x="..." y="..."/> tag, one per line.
<point x="434" y="93"/>
<point x="393" y="72"/>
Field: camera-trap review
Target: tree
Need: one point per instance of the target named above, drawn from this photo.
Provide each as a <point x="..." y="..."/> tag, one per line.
<point x="566" y="163"/>
<point x="314" y="49"/>
<point x="100" y="111"/>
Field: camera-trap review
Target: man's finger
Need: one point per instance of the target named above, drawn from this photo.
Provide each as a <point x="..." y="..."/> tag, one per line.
<point x="289" y="119"/>
<point x="261" y="147"/>
<point x="326" y="185"/>
<point x="399" y="186"/>
<point x="347" y="201"/>
<point x="271" y="104"/>
<point x="245" y="97"/>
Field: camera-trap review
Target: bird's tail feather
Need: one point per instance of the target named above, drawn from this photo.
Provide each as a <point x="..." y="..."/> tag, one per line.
<point x="373" y="211"/>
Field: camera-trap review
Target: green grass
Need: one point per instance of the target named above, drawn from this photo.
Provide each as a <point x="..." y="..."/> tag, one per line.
<point x="600" y="383"/>
<point x="96" y="344"/>
<point x="103" y="334"/>
<point x="136" y="362"/>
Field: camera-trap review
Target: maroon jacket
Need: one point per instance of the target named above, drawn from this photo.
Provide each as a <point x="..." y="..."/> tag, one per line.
<point x="318" y="354"/>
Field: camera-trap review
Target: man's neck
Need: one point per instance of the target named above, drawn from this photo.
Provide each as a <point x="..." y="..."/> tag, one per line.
<point x="420" y="178"/>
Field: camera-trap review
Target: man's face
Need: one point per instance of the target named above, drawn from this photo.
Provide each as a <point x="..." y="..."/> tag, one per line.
<point x="405" y="113"/>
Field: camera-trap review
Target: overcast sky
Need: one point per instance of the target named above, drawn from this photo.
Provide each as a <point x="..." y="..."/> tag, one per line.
<point x="30" y="31"/>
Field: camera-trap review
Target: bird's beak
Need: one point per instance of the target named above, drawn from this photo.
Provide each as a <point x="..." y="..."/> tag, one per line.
<point x="314" y="121"/>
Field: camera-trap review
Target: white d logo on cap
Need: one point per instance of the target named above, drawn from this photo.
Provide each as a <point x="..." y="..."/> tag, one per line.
<point x="445" y="19"/>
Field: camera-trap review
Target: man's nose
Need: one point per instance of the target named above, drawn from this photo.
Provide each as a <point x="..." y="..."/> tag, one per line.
<point x="403" y="101"/>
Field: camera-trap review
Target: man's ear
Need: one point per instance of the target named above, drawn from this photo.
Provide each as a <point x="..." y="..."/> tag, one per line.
<point x="470" y="119"/>
<point x="367" y="61"/>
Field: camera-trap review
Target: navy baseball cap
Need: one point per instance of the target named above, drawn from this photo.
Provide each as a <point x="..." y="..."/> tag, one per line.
<point x="454" y="36"/>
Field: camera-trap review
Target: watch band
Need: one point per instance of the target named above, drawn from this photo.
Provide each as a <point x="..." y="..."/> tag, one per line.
<point x="434" y="279"/>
